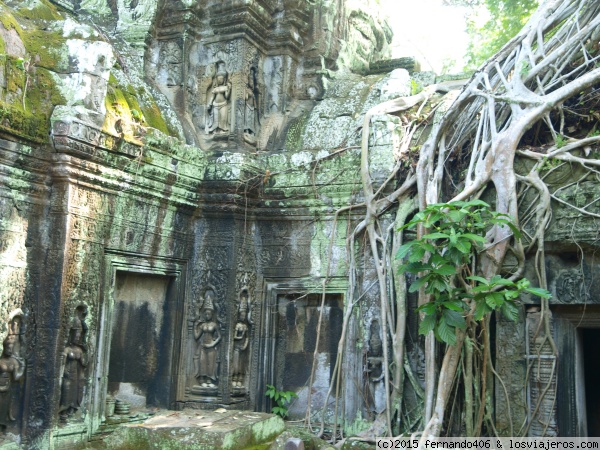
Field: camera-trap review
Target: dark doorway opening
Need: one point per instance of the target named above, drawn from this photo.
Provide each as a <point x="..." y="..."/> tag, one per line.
<point x="591" y="338"/>
<point x="142" y="338"/>
<point x="298" y="327"/>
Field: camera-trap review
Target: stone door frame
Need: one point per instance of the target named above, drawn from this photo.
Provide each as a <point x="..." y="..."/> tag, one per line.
<point x="569" y="321"/>
<point x="272" y="289"/>
<point x="122" y="261"/>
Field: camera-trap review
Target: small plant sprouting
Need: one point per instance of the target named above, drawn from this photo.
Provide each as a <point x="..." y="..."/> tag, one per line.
<point x="415" y="87"/>
<point x="281" y="399"/>
<point x="550" y="164"/>
<point x="560" y="141"/>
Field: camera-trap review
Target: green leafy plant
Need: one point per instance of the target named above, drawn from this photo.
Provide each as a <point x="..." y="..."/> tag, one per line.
<point x="442" y="261"/>
<point x="281" y="399"/>
<point x="550" y="163"/>
<point x="492" y="23"/>
<point x="560" y="141"/>
<point x="415" y="87"/>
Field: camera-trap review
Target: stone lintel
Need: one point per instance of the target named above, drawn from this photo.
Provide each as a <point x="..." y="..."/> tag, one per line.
<point x="384" y="66"/>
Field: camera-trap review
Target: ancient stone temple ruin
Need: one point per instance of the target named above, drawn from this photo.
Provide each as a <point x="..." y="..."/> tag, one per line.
<point x="172" y="172"/>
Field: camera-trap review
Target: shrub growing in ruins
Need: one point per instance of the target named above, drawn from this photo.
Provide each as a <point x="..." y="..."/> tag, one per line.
<point x="281" y="399"/>
<point x="443" y="261"/>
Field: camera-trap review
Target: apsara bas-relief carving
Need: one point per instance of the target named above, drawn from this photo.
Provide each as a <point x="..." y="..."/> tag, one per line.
<point x="207" y="334"/>
<point x="241" y="342"/>
<point x="12" y="367"/>
<point x="74" y="361"/>
<point x="218" y="103"/>
<point x="251" y="109"/>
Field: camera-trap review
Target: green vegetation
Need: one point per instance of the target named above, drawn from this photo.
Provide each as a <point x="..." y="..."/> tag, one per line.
<point x="281" y="398"/>
<point x="505" y="18"/>
<point x="442" y="260"/>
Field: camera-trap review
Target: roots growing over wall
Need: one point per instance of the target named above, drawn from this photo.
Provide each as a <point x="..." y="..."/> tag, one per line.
<point x="534" y="100"/>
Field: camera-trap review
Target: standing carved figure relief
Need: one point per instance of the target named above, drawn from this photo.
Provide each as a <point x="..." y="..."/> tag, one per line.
<point x="219" y="94"/>
<point x="74" y="359"/>
<point x="375" y="385"/>
<point x="375" y="354"/>
<point x="12" y="368"/>
<point x="241" y="341"/>
<point x="208" y="336"/>
<point x="251" y="120"/>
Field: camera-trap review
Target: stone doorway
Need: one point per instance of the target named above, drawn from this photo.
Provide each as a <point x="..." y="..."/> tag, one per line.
<point x="297" y="330"/>
<point x="590" y="338"/>
<point x="577" y="333"/>
<point x="142" y="340"/>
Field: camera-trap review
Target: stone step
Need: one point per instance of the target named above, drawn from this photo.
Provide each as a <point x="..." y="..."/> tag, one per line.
<point x="198" y="430"/>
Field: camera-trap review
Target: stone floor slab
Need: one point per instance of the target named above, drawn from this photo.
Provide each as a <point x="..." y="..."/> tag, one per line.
<point x="198" y="430"/>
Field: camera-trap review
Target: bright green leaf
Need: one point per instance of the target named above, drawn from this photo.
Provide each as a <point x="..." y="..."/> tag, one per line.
<point x="445" y="332"/>
<point x="454" y="305"/>
<point x="494" y="299"/>
<point x="543" y="293"/>
<point x="456" y="216"/>
<point x="445" y="270"/>
<point x="480" y="279"/>
<point x="436" y="236"/>
<point x="427" y="324"/>
<point x="510" y="311"/>
<point x="405" y="249"/>
<point x="481" y="310"/>
<point x="454" y="318"/>
<point x="414" y="287"/>
<point x="435" y="284"/>
<point x="474" y="237"/>
<point x="416" y="254"/>
<point x="463" y="245"/>
<point x="428" y="308"/>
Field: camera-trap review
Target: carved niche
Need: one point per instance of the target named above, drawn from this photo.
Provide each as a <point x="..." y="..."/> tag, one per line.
<point x="570" y="224"/>
<point x="74" y="361"/>
<point x="251" y="108"/>
<point x="218" y="103"/>
<point x="12" y="367"/>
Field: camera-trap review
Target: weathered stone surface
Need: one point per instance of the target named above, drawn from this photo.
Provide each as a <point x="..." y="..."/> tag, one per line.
<point x="198" y="147"/>
<point x="388" y="65"/>
<point x="205" y="430"/>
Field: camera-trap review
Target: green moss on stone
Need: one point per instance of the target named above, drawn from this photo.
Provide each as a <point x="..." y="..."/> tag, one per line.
<point x="154" y="117"/>
<point x="42" y="10"/>
<point x="293" y="139"/>
<point x="131" y="107"/>
<point x="8" y="20"/>
<point x="43" y="45"/>
<point x="30" y="116"/>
